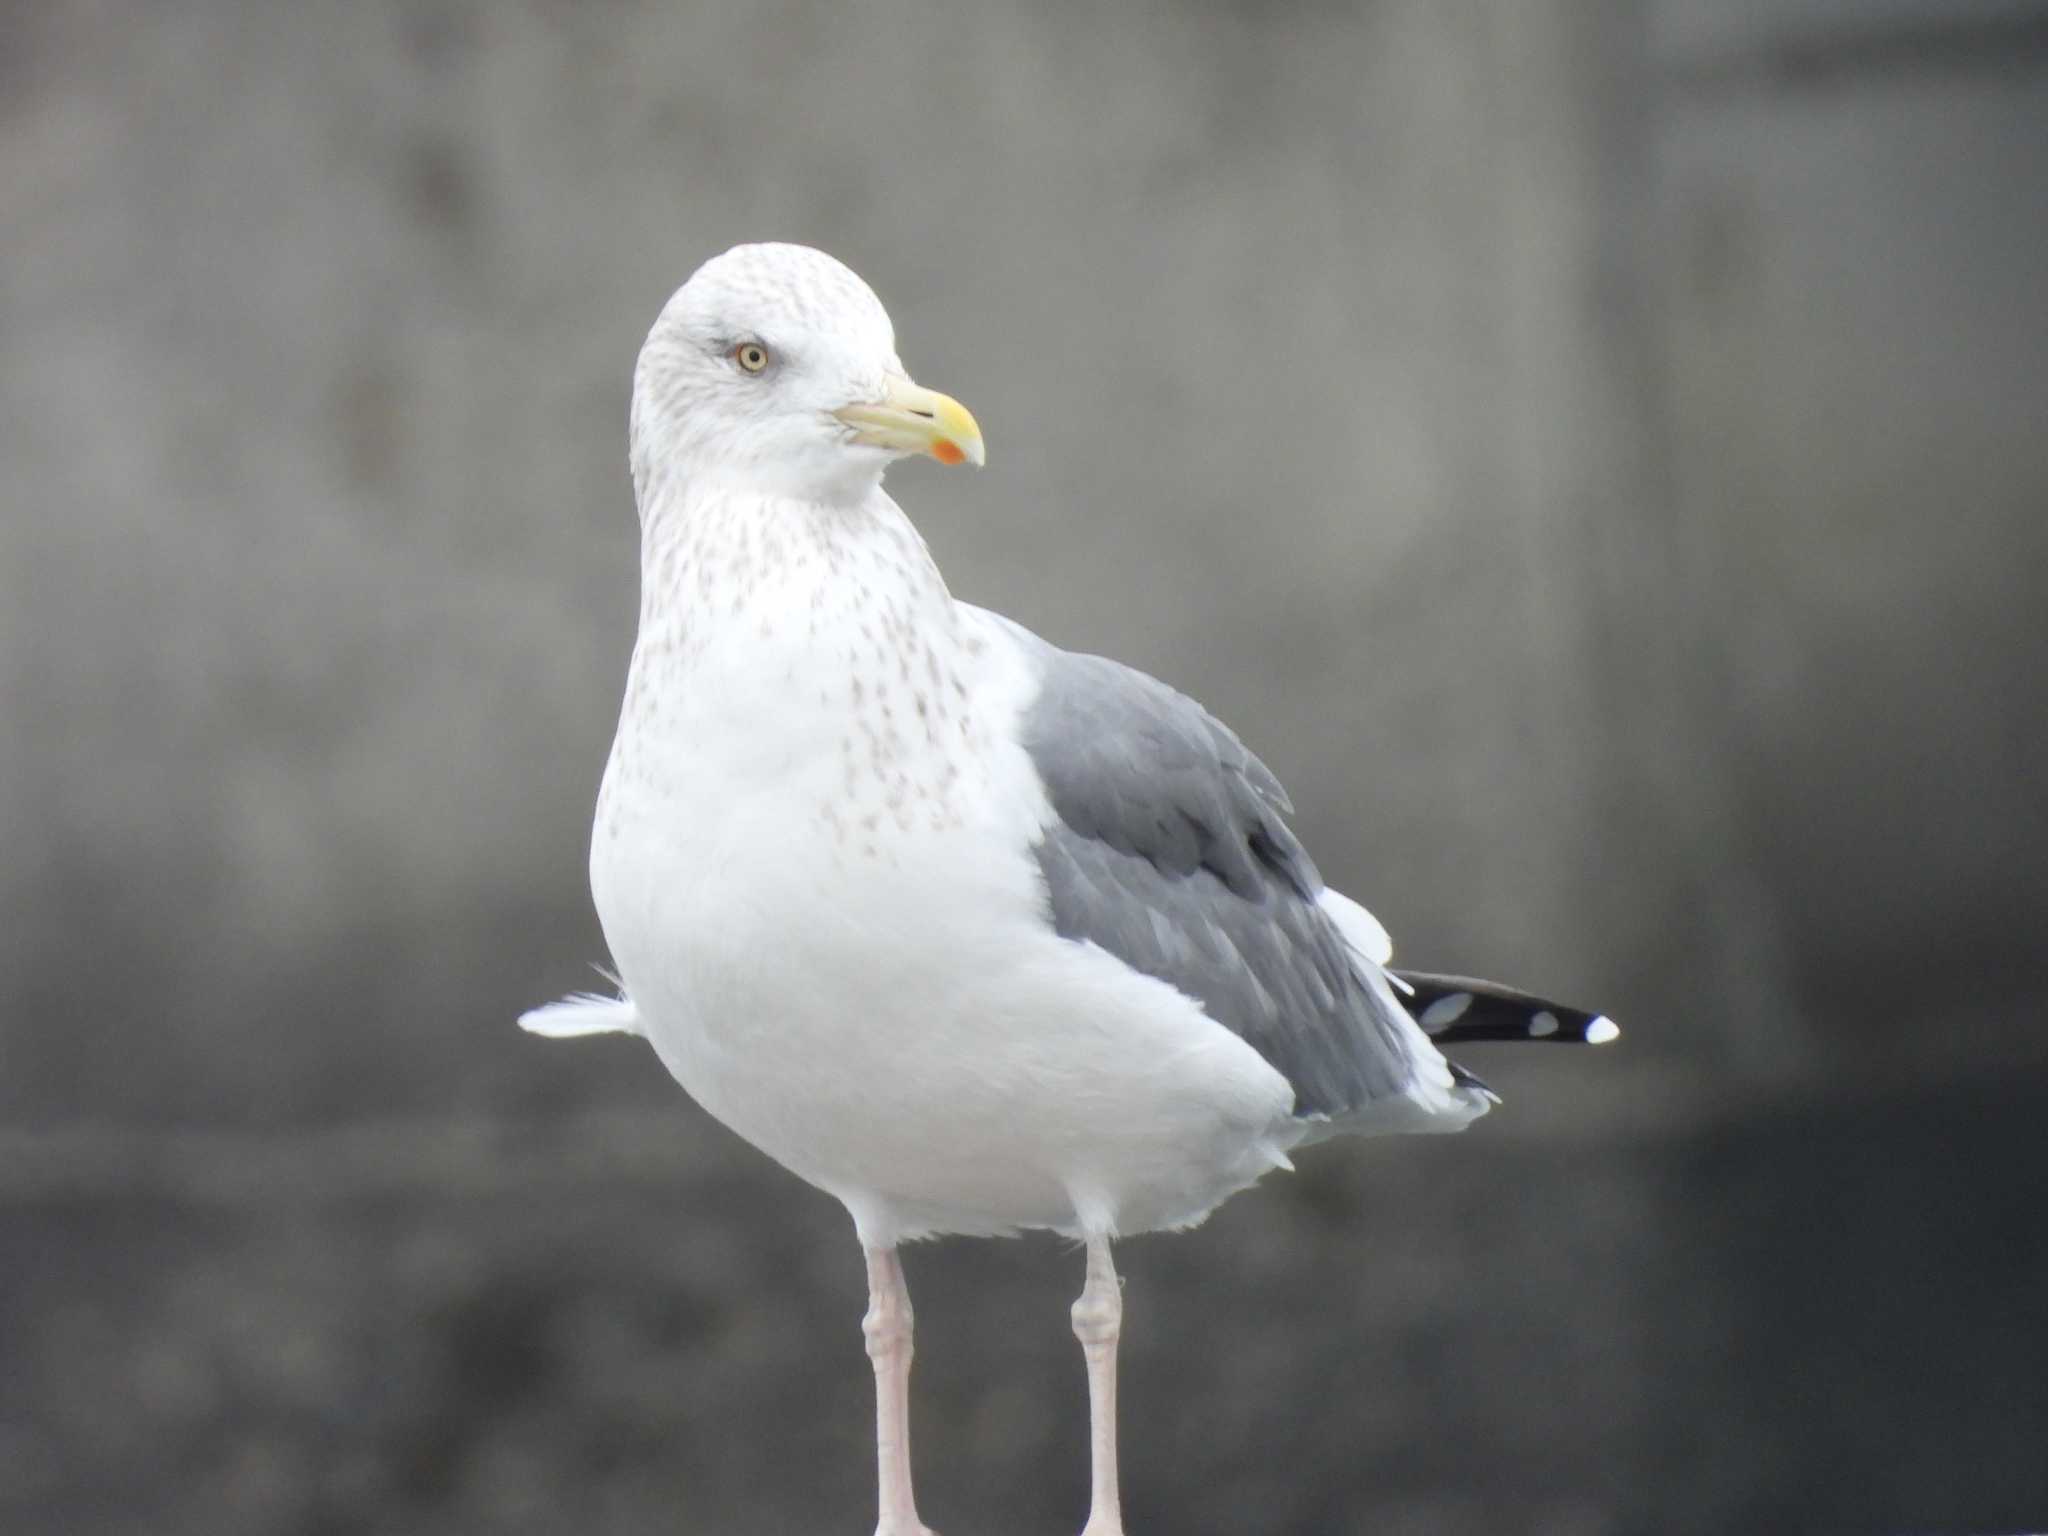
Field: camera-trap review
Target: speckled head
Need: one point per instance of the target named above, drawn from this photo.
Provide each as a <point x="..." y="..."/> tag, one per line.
<point x="774" y="369"/>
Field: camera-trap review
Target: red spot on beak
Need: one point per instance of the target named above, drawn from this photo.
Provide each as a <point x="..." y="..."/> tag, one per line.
<point x="948" y="452"/>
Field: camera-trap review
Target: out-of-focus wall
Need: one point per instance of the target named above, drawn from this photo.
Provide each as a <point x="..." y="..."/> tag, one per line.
<point x="1591" y="449"/>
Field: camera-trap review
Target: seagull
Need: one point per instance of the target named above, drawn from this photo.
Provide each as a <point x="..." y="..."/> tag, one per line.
<point x="975" y="934"/>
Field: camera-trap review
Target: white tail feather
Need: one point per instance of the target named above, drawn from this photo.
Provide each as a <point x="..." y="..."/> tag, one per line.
<point x="582" y="1013"/>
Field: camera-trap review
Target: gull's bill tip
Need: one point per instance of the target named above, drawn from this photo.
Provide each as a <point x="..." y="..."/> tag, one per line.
<point x="912" y="419"/>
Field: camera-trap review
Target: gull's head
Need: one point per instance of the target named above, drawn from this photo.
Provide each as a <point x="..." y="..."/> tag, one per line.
<point x="774" y="368"/>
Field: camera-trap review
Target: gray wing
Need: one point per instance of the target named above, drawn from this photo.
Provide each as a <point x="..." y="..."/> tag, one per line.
<point x="1167" y="849"/>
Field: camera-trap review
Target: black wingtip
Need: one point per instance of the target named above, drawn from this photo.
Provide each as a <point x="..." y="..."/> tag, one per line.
<point x="1453" y="1009"/>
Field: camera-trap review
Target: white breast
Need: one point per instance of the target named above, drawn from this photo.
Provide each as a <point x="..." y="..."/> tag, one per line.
<point x="812" y="862"/>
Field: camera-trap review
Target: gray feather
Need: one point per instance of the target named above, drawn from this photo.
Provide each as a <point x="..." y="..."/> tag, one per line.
<point x="1168" y="849"/>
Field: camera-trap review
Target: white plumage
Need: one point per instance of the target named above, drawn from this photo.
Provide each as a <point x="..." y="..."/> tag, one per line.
<point x="879" y="901"/>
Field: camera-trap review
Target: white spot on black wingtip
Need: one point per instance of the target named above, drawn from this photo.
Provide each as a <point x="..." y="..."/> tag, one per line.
<point x="1446" y="1011"/>
<point x="1542" y="1024"/>
<point x="1602" y="1030"/>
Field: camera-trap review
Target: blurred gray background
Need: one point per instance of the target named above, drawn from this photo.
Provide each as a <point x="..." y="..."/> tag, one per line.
<point x="1597" y="452"/>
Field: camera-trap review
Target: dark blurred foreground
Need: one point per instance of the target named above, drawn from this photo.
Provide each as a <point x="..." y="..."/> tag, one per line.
<point x="1594" y="451"/>
<point x="1791" y="1318"/>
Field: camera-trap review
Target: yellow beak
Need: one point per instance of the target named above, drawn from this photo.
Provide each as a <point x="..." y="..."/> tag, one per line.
<point x="911" y="419"/>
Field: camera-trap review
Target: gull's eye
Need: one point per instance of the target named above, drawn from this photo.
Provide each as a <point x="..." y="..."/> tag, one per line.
<point x="751" y="356"/>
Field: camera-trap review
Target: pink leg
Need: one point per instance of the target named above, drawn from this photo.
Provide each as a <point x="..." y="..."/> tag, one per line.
<point x="1098" y="1321"/>
<point x="887" y="1327"/>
